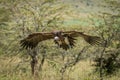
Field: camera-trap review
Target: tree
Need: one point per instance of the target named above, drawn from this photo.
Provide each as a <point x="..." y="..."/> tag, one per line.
<point x="108" y="61"/>
<point x="30" y="16"/>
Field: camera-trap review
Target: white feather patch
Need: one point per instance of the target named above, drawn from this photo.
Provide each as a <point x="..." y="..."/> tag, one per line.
<point x="56" y="38"/>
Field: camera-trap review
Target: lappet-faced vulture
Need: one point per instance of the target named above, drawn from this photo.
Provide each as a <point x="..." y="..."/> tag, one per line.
<point x="59" y="38"/>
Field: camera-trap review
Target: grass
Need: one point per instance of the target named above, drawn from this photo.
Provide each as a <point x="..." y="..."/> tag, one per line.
<point x="12" y="68"/>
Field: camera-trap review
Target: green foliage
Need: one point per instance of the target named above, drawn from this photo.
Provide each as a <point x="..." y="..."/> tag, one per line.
<point x="111" y="62"/>
<point x="109" y="29"/>
<point x="27" y="16"/>
<point x="21" y="17"/>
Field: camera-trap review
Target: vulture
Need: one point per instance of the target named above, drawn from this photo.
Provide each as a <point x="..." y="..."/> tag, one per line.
<point x="64" y="39"/>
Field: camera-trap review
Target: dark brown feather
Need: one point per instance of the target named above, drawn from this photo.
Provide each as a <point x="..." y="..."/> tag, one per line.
<point x="33" y="39"/>
<point x="93" y="40"/>
<point x="64" y="45"/>
<point x="71" y="41"/>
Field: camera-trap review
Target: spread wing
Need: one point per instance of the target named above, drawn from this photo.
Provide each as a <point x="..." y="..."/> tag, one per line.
<point x="33" y="39"/>
<point x="93" y="40"/>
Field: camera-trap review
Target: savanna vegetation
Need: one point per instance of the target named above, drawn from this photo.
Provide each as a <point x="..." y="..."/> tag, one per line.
<point x="19" y="18"/>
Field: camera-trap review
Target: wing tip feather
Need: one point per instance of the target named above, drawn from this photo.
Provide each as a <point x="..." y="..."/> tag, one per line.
<point x="27" y="45"/>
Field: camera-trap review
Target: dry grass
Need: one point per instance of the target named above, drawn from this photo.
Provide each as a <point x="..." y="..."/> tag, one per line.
<point x="14" y="69"/>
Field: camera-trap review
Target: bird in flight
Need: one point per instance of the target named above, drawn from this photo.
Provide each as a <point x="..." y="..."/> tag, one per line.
<point x="64" y="39"/>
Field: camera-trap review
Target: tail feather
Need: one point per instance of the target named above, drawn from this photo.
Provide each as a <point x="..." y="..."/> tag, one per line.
<point x="64" y="46"/>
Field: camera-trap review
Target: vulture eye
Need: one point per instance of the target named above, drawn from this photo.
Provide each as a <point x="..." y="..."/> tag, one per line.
<point x="56" y="38"/>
